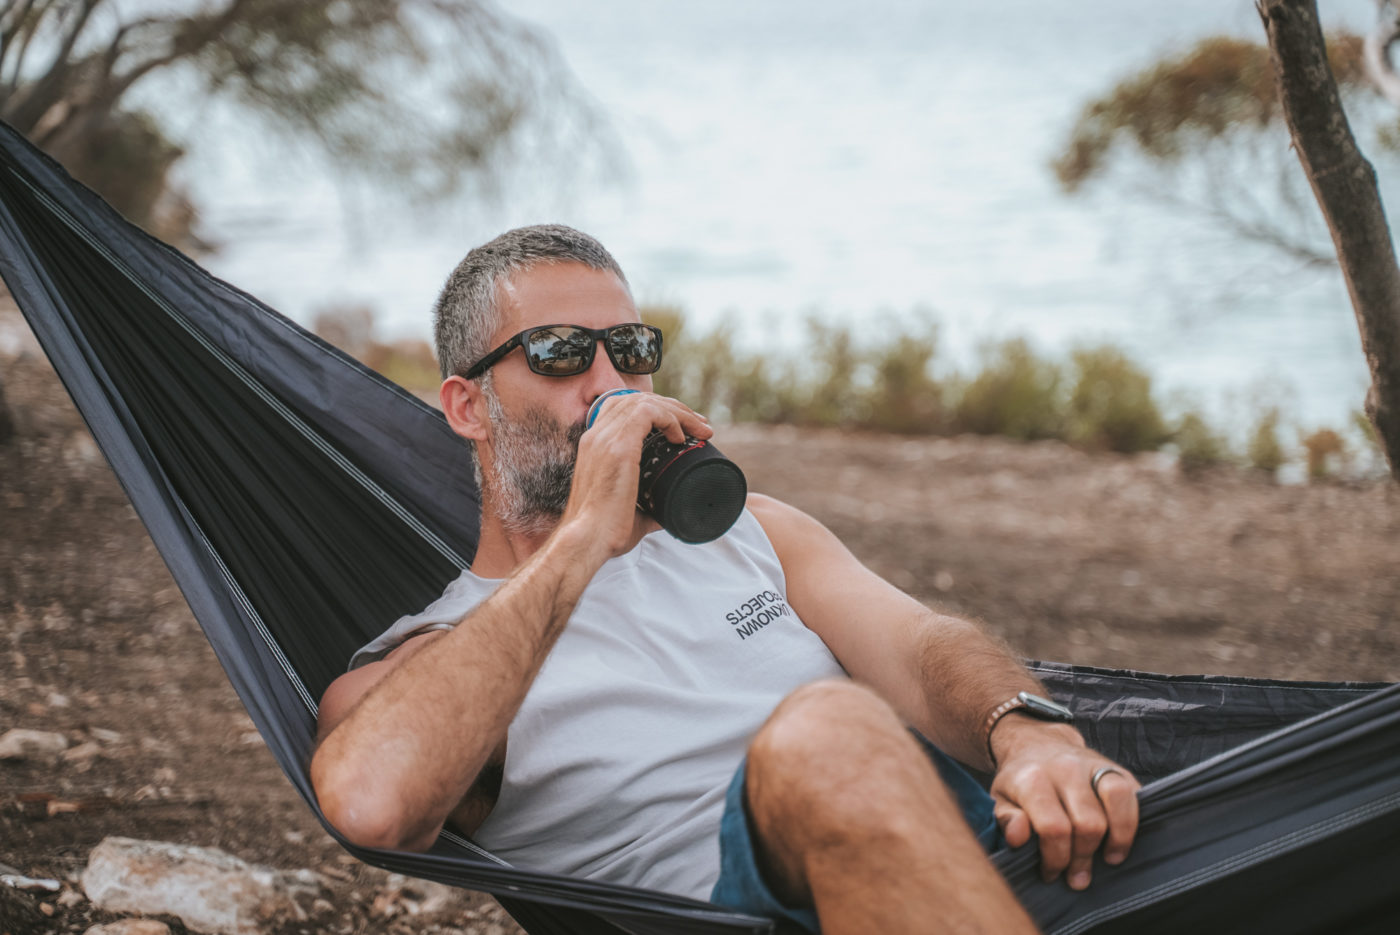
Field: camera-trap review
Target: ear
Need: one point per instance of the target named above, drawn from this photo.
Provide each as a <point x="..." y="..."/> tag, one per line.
<point x="465" y="407"/>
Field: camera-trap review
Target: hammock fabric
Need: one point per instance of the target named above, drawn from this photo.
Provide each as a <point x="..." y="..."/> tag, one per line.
<point x="302" y="502"/>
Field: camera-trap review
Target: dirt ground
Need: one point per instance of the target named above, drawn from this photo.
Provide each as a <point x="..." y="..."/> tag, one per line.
<point x="1096" y="559"/>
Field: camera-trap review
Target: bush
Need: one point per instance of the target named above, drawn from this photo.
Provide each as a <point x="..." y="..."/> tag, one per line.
<point x="904" y="395"/>
<point x="1016" y="394"/>
<point x="1325" y="449"/>
<point x="1111" y="405"/>
<point x="1197" y="446"/>
<point x="1265" y="453"/>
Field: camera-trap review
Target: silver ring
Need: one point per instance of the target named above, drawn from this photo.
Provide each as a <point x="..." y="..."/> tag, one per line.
<point x="1099" y="774"/>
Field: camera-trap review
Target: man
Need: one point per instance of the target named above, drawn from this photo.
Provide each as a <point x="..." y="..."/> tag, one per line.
<point x="584" y="700"/>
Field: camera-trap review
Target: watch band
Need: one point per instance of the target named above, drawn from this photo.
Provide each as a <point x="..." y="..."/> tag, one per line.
<point x="1037" y="707"/>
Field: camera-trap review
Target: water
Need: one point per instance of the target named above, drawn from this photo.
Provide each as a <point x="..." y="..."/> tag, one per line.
<point x="848" y="159"/>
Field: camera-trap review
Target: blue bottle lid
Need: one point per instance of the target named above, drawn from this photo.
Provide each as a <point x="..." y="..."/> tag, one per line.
<point x="597" y="406"/>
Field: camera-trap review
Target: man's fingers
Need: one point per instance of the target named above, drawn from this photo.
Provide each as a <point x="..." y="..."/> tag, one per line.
<point x="675" y="419"/>
<point x="1014" y="824"/>
<point x="1118" y="793"/>
<point x="1052" y="824"/>
<point x="1090" y="824"/>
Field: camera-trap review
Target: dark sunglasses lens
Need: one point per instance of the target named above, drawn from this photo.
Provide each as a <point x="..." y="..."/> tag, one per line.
<point x="559" y="352"/>
<point x="635" y="348"/>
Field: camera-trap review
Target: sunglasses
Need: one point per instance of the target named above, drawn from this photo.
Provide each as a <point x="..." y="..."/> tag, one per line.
<point x="567" y="350"/>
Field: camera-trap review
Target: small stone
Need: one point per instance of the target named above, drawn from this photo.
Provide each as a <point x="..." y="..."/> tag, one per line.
<point x="30" y="884"/>
<point x="207" y="889"/>
<point x="130" y="927"/>
<point x="70" y="898"/>
<point x="21" y="744"/>
<point x="46" y="908"/>
<point x="83" y="752"/>
<point x="104" y="735"/>
<point x="56" y="700"/>
<point x="943" y="580"/>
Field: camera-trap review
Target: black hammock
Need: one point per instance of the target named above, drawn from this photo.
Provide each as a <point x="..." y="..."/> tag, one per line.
<point x="302" y="502"/>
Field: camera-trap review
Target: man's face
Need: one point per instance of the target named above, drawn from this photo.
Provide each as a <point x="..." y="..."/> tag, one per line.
<point x="535" y="420"/>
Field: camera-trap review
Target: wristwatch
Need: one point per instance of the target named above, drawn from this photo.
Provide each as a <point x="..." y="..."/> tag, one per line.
<point x="1026" y="703"/>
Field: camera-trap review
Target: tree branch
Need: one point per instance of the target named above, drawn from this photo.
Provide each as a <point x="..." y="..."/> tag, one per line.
<point x="1344" y="184"/>
<point x="1375" y="51"/>
<point x="47" y="90"/>
<point x="14" y="19"/>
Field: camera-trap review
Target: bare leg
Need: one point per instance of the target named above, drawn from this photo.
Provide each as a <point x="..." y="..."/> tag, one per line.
<point x="851" y="814"/>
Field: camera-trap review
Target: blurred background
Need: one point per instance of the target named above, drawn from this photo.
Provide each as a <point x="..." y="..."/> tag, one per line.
<point x="942" y="191"/>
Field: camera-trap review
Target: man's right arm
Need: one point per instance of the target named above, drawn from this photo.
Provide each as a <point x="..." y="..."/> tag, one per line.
<point x="413" y="743"/>
<point x="408" y="751"/>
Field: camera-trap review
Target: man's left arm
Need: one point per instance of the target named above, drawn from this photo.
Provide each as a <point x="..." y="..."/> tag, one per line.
<point x="946" y="677"/>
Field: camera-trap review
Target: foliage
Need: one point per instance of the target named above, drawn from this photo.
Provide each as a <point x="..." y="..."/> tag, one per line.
<point x="1111" y="404"/>
<point x="904" y="396"/>
<point x="424" y="93"/>
<point x="1209" y="130"/>
<point x="1016" y="394"/>
<point x="1325" y="448"/>
<point x="1198" y="446"/>
<point x="1265" y="452"/>
<point x="894" y="386"/>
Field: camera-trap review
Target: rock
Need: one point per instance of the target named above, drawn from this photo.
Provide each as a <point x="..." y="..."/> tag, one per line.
<point x="83" y="752"/>
<point x="208" y="889"/>
<point x="30" y="884"/>
<point x="104" y="735"/>
<point x="21" y="744"/>
<point x="130" y="927"/>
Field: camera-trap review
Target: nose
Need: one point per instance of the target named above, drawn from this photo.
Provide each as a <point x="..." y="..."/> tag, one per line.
<point x="602" y="375"/>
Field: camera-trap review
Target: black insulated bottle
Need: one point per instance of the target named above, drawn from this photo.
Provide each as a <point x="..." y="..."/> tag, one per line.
<point x="692" y="489"/>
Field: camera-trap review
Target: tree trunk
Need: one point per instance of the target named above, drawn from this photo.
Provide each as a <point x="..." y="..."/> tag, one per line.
<point x="1345" y="186"/>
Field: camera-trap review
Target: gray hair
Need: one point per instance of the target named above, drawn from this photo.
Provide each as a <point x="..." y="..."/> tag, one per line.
<point x="466" y="314"/>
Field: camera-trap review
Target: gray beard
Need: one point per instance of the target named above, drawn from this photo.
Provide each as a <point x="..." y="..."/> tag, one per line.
<point x="533" y="466"/>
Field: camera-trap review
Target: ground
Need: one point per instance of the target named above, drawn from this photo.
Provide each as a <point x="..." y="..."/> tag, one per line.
<point x="1092" y="558"/>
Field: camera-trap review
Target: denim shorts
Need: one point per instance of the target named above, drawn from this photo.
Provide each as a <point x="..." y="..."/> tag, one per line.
<point x="741" y="885"/>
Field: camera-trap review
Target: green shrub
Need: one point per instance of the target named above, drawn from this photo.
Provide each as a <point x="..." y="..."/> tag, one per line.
<point x="1265" y="453"/>
<point x="904" y="395"/>
<point x="831" y="394"/>
<point x="1111" y="404"/>
<point x="1016" y="394"/>
<point x="1197" y="446"/>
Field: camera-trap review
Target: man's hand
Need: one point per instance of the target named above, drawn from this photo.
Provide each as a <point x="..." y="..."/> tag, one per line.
<point x="604" y="493"/>
<point x="1044" y="785"/>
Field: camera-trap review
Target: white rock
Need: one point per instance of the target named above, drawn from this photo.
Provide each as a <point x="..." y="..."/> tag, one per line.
<point x="30" y="884"/>
<point x="208" y="889"/>
<point x="130" y="927"/>
<point x="104" y="735"/>
<point x="82" y="752"/>
<point x="21" y="744"/>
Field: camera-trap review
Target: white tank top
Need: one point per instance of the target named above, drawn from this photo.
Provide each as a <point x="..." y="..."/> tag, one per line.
<point x="618" y="761"/>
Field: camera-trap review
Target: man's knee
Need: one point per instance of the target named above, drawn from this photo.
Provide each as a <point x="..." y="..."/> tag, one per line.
<point x="827" y="753"/>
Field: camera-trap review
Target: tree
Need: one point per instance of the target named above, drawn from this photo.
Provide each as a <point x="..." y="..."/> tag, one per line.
<point x="1344" y="184"/>
<point x="427" y="95"/>
<point x="1204" y="132"/>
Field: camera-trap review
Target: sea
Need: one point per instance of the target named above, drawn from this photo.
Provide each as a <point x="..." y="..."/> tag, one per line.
<point x="873" y="164"/>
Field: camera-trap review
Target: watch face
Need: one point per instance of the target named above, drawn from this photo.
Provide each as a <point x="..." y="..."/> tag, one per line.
<point x="1045" y="708"/>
